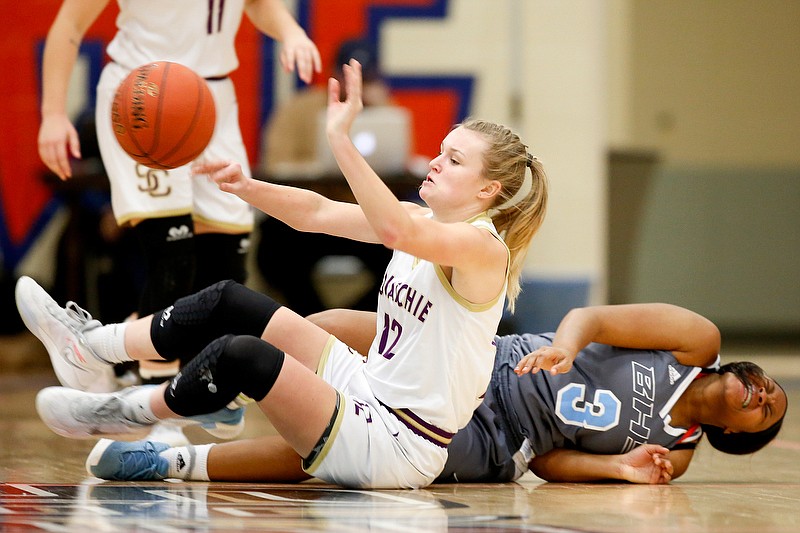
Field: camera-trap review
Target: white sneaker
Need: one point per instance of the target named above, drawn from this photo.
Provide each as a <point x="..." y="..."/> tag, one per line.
<point x="61" y="330"/>
<point x="82" y="415"/>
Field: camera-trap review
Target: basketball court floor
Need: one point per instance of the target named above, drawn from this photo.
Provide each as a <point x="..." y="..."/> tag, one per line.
<point x="43" y="487"/>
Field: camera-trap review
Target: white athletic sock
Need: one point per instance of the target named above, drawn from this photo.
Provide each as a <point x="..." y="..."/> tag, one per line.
<point x="188" y="462"/>
<point x="139" y="400"/>
<point x="108" y="342"/>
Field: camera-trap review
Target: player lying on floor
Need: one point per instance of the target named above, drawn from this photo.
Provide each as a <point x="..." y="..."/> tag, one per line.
<point x="619" y="392"/>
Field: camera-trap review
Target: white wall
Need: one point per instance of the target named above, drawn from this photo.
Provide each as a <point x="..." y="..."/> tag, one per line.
<point x="711" y="87"/>
<point x="554" y="52"/>
<point x="717" y="83"/>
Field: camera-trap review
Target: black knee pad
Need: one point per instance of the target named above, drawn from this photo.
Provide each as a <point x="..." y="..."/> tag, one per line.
<point x="227" y="367"/>
<point x="220" y="256"/>
<point x="168" y="247"/>
<point x="184" y="329"/>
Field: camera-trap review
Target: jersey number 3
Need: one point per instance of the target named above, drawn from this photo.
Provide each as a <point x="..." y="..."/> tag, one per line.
<point x="601" y="414"/>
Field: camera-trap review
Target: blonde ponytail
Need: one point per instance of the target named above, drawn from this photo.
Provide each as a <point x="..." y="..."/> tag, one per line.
<point x="522" y="203"/>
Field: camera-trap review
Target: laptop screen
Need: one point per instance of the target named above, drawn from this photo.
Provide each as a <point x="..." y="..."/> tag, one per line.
<point x="382" y="134"/>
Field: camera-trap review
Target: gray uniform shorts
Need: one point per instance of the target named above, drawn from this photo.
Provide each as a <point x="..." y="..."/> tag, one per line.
<point x="479" y="452"/>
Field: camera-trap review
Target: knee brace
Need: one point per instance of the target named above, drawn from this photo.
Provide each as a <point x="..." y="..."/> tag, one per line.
<point x="220" y="256"/>
<point x="226" y="367"/>
<point x="184" y="329"/>
<point x="168" y="248"/>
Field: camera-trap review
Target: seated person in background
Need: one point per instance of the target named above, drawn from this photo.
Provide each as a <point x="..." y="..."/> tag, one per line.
<point x="290" y="150"/>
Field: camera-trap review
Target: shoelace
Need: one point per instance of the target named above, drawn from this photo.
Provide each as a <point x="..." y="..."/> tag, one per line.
<point x="78" y="321"/>
<point x="142" y="463"/>
<point x="82" y="317"/>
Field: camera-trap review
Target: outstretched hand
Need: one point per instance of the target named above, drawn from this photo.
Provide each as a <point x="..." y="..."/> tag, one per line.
<point x="226" y="174"/>
<point x="648" y="464"/>
<point x="342" y="113"/>
<point x="556" y="360"/>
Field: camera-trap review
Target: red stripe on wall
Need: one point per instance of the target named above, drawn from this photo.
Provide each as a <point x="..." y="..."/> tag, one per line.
<point x="431" y="111"/>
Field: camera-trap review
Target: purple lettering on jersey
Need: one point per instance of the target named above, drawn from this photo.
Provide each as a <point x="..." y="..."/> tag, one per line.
<point x="386" y="282"/>
<point x="406" y="297"/>
<point x="424" y="313"/>
<point x="398" y="295"/>
<point x="411" y="294"/>
<point x="210" y="22"/>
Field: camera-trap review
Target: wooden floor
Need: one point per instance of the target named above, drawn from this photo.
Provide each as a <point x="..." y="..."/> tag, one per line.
<point x="43" y="486"/>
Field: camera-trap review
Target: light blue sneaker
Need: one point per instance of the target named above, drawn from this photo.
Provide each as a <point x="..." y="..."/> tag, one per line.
<point x="128" y="461"/>
<point x="225" y="424"/>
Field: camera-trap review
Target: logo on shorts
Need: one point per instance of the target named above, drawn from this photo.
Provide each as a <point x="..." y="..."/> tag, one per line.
<point x="361" y="407"/>
<point x="152" y="181"/>
<point x="178" y="233"/>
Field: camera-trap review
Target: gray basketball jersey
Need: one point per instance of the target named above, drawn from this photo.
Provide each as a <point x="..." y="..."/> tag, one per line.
<point x="612" y="400"/>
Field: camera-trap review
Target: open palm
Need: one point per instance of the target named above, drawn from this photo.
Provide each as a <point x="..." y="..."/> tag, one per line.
<point x="341" y="114"/>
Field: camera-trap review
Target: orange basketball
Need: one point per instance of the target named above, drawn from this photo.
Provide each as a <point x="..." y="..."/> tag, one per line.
<point x="163" y="115"/>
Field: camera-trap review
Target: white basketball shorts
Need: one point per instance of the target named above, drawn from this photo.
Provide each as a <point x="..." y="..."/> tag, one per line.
<point x="369" y="447"/>
<point x="139" y="192"/>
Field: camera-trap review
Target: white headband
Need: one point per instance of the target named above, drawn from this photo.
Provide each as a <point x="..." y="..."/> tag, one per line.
<point x="522" y="193"/>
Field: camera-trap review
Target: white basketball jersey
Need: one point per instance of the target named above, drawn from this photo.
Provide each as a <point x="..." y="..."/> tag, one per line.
<point x="197" y="34"/>
<point x="434" y="351"/>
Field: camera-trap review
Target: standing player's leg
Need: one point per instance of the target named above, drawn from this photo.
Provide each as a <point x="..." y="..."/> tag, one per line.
<point x="168" y="246"/>
<point x="158" y="205"/>
<point x="223" y="222"/>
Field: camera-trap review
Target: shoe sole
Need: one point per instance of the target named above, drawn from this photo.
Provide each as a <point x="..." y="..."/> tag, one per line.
<point x="96" y="454"/>
<point x="67" y="373"/>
